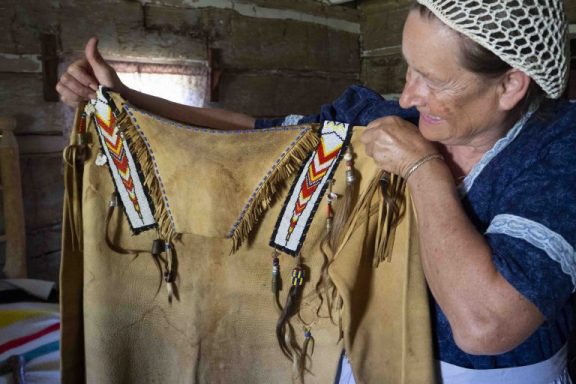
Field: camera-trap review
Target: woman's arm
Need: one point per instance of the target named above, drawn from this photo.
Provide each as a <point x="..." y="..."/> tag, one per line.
<point x="487" y="315"/>
<point x="203" y="117"/>
<point x="81" y="79"/>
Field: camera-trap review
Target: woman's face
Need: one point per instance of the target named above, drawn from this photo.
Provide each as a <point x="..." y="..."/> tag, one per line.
<point x="457" y="107"/>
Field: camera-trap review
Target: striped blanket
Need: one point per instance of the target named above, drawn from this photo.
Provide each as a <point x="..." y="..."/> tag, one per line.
<point x="29" y="337"/>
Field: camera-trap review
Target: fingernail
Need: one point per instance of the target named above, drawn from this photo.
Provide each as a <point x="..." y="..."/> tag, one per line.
<point x="94" y="87"/>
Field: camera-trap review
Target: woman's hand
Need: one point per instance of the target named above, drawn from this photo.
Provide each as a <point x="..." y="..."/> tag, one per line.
<point x="81" y="79"/>
<point x="395" y="144"/>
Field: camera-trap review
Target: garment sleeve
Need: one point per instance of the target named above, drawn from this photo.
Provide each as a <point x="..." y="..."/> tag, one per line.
<point x="357" y="105"/>
<point x="283" y="121"/>
<point x="534" y="234"/>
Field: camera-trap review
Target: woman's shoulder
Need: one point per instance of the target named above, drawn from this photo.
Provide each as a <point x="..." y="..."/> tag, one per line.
<point x="556" y="116"/>
<point x="540" y="153"/>
<point x="549" y="132"/>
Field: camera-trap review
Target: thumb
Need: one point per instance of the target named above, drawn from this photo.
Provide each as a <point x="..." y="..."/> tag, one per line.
<point x="92" y="54"/>
<point x="103" y="72"/>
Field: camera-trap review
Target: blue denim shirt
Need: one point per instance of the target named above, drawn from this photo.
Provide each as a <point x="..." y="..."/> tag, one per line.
<point x="358" y="105"/>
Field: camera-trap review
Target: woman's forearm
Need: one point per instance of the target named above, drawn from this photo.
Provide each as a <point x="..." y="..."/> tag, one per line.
<point x="487" y="314"/>
<point x="203" y="117"/>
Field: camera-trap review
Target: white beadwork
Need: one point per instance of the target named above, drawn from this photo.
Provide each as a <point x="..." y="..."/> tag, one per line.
<point x="529" y="35"/>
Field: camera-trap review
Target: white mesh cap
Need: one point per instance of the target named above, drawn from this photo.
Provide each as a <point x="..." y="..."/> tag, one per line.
<point x="529" y="35"/>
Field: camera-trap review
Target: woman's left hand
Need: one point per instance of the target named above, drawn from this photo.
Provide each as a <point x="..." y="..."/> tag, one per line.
<point x="395" y="144"/>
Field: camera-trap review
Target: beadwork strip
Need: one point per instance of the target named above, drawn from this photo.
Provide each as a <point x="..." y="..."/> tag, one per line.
<point x="307" y="191"/>
<point x="127" y="180"/>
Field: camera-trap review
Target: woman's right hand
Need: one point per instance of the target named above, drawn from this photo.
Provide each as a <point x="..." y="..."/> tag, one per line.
<point x="81" y="79"/>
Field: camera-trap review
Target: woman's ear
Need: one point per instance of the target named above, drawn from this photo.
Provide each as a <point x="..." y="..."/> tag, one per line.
<point x="514" y="87"/>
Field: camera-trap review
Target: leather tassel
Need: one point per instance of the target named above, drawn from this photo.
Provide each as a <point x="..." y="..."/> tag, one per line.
<point x="344" y="208"/>
<point x="156" y="251"/>
<point x="170" y="272"/>
<point x="74" y="155"/>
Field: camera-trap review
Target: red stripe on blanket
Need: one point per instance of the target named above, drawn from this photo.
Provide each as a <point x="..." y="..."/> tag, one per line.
<point x="25" y="339"/>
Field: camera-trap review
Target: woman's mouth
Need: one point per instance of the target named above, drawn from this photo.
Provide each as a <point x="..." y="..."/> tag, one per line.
<point x="430" y="119"/>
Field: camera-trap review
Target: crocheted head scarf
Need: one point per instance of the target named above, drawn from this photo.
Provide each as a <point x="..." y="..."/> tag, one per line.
<point x="529" y="35"/>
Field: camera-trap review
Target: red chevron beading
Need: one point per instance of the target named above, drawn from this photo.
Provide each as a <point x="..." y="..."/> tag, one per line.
<point x="316" y="171"/>
<point x="116" y="149"/>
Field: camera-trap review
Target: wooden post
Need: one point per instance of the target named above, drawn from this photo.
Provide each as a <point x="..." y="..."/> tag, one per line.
<point x="15" y="236"/>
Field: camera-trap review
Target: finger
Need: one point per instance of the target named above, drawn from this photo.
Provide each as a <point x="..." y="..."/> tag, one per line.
<point x="380" y="122"/>
<point x="75" y="87"/>
<point x="368" y="148"/>
<point x="68" y="96"/>
<point x="367" y="136"/>
<point x="80" y="73"/>
<point x="374" y="124"/>
<point x="69" y="102"/>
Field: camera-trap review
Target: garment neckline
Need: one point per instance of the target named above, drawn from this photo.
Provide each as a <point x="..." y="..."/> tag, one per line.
<point x="466" y="184"/>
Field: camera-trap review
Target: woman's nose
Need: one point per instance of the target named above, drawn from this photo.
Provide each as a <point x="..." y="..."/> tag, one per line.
<point x="413" y="94"/>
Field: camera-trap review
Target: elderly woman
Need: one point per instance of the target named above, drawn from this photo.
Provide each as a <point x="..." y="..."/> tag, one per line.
<point x="489" y="170"/>
<point x="490" y="167"/>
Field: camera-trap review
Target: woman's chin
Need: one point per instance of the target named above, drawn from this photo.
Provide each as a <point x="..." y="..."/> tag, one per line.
<point x="432" y="132"/>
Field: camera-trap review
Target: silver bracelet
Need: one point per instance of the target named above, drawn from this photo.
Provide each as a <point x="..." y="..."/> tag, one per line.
<point x="423" y="160"/>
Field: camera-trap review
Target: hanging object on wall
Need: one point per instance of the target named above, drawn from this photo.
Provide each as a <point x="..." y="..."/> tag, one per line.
<point x="215" y="71"/>
<point x="49" y="57"/>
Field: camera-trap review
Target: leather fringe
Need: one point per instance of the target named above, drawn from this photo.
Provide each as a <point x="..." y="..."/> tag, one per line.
<point x="139" y="150"/>
<point x="288" y="165"/>
<point x="391" y="209"/>
<point x="391" y="205"/>
<point x="165" y="226"/>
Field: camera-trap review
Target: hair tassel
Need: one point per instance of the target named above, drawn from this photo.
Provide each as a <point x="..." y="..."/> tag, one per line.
<point x="284" y="331"/>
<point x="276" y="281"/>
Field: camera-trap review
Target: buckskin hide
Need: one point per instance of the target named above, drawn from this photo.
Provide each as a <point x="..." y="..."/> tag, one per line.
<point x="216" y="198"/>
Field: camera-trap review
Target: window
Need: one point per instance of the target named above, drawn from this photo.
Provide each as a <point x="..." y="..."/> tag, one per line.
<point x="185" y="84"/>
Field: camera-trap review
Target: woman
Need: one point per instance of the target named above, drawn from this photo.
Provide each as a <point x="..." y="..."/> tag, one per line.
<point x="490" y="170"/>
<point x="497" y="260"/>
